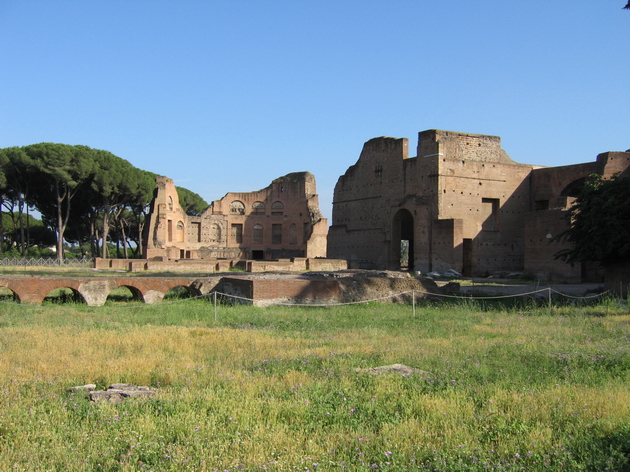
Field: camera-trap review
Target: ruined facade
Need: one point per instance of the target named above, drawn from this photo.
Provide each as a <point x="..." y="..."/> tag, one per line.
<point x="461" y="204"/>
<point x="280" y="221"/>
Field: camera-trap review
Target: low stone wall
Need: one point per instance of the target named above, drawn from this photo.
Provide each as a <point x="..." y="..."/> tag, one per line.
<point x="296" y="264"/>
<point x="264" y="292"/>
<point x="327" y="264"/>
<point x="284" y="265"/>
<point x="276" y="290"/>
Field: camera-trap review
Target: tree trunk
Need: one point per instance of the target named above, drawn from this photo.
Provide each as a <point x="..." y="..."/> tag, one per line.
<point x="124" y="238"/>
<point x="60" y="228"/>
<point x="21" y="222"/>
<point x="1" y="225"/>
<point x="106" y="211"/>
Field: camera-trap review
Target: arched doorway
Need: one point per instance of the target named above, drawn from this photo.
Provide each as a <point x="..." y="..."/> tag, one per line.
<point x="402" y="241"/>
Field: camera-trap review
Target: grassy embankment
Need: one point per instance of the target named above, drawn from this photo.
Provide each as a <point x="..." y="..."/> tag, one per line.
<point x="276" y="388"/>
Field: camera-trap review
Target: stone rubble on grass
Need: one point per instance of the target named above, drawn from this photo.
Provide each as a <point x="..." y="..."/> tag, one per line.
<point x="83" y="388"/>
<point x="115" y="393"/>
<point x="400" y="369"/>
<point x="452" y="274"/>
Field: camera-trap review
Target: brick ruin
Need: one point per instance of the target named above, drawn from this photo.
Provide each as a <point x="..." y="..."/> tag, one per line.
<point x="462" y="203"/>
<point x="281" y="221"/>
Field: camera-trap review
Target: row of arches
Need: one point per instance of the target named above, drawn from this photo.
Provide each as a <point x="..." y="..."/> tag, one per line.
<point x="93" y="292"/>
<point x="258" y="208"/>
<point x="121" y="294"/>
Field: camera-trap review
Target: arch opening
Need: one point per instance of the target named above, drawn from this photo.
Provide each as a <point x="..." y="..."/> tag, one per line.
<point x="124" y="294"/>
<point x="63" y="295"/>
<point x="7" y="295"/>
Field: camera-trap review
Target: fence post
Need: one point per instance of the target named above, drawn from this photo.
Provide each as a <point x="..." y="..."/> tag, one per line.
<point x="413" y="298"/>
<point x="215" y="306"/>
<point x="549" y="296"/>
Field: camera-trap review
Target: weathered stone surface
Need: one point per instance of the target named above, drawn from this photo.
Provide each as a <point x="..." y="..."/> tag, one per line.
<point x="460" y="204"/>
<point x="116" y="393"/>
<point x="83" y="388"/>
<point x="399" y="369"/>
<point x="282" y="220"/>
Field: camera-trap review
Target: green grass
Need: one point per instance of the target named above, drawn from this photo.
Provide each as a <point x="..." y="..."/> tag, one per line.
<point x="505" y="387"/>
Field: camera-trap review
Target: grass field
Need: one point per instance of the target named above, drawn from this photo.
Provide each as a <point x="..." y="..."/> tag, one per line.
<point x="278" y="389"/>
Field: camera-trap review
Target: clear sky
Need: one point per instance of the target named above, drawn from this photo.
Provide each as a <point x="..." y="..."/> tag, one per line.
<point x="227" y="95"/>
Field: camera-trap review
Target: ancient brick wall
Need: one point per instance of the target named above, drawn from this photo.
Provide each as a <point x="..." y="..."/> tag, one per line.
<point x="461" y="186"/>
<point x="282" y="220"/>
<point x="462" y="203"/>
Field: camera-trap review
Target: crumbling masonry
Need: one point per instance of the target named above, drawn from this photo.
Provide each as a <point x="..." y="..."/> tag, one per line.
<point x="281" y="221"/>
<point x="461" y="204"/>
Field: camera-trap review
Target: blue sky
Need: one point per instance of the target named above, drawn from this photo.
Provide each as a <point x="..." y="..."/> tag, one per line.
<point x="227" y="95"/>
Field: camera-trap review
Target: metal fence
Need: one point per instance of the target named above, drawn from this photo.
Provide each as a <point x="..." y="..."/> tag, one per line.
<point x="85" y="262"/>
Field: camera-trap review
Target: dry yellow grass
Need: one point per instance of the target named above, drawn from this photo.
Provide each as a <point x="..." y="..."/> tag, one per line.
<point x="502" y="387"/>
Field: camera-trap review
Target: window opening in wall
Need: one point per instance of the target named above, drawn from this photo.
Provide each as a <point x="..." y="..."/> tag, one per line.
<point x="490" y="214"/>
<point x="170" y="230"/>
<point x="180" y="231"/>
<point x="541" y="205"/>
<point x="237" y="208"/>
<point x="378" y="171"/>
<point x="182" y="254"/>
<point x="258" y="255"/>
<point x="276" y="234"/>
<point x="403" y="240"/>
<point x="258" y="233"/>
<point x="258" y="208"/>
<point x="170" y="203"/>
<point x="237" y="233"/>
<point x="196" y="231"/>
<point x="277" y="209"/>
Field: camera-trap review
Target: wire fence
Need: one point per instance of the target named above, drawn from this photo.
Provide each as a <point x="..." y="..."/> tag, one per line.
<point x="84" y="262"/>
<point x="542" y="297"/>
<point x="543" y="294"/>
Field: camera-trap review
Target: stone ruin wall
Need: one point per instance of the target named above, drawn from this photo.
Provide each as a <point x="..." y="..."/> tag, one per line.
<point x="473" y="208"/>
<point x="282" y="220"/>
<point x="553" y="190"/>
<point x="488" y="201"/>
<point x="450" y="189"/>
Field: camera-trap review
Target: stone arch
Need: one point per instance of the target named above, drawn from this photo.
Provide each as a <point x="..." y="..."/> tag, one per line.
<point x="179" y="231"/>
<point x="258" y="208"/>
<point x="64" y="294"/>
<point x="237" y="208"/>
<point x="570" y="193"/>
<point x="277" y="208"/>
<point x="573" y="188"/>
<point x="7" y="294"/>
<point x="403" y="240"/>
<point x="136" y="294"/>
